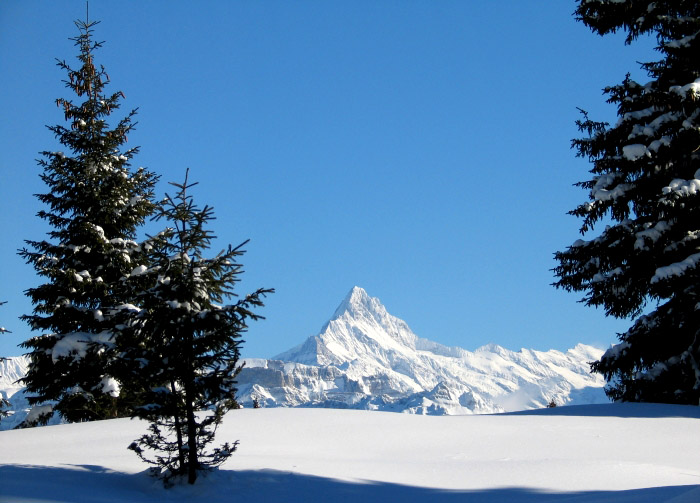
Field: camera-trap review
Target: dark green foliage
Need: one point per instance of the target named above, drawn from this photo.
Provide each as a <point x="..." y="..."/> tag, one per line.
<point x="95" y="204"/>
<point x="182" y="342"/>
<point x="646" y="183"/>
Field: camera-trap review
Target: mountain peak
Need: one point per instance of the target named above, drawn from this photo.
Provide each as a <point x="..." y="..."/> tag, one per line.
<point x="357" y="300"/>
<point x="357" y="295"/>
<point x="360" y="329"/>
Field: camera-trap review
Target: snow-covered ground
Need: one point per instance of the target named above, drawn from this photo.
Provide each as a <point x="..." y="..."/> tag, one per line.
<point x="594" y="453"/>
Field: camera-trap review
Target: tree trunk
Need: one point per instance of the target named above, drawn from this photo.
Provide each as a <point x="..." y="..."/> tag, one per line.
<point x="178" y="430"/>
<point x="192" y="463"/>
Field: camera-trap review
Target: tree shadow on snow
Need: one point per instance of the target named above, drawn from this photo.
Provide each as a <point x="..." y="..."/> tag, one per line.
<point x="625" y="409"/>
<point x="95" y="484"/>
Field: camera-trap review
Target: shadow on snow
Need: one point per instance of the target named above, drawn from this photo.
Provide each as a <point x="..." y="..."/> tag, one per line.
<point x="96" y="484"/>
<point x="619" y="409"/>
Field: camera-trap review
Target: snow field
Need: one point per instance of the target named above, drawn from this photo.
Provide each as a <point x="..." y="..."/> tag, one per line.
<point x="561" y="453"/>
<point x="612" y="452"/>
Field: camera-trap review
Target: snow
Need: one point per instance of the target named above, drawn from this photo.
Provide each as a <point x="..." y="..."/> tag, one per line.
<point x="693" y="88"/>
<point x="636" y="115"/>
<point x="682" y="187"/>
<point x="110" y="386"/>
<point x="677" y="269"/>
<point x="650" y="233"/>
<point x="76" y="344"/>
<point x="365" y="358"/>
<point x="616" y="350"/>
<point x="598" y="277"/>
<point x="601" y="191"/>
<point x="605" y="453"/>
<point x="139" y="270"/>
<point x="655" y="145"/>
<point x="174" y="304"/>
<point x="37" y="411"/>
<point x="588" y="453"/>
<point x="683" y="42"/>
<point x="634" y="152"/>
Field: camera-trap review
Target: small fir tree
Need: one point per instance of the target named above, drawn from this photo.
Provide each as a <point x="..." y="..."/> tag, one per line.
<point x="183" y="342"/>
<point x="646" y="183"/>
<point x="95" y="204"/>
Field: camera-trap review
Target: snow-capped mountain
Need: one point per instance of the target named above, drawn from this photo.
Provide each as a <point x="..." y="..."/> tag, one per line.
<point x="366" y="358"/>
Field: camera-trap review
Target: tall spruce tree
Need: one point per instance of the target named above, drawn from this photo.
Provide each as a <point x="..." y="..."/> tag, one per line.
<point x="183" y="343"/>
<point x="645" y="265"/>
<point x="95" y="205"/>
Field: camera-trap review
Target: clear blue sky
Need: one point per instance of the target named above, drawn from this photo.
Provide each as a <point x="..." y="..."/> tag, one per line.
<point x="418" y="149"/>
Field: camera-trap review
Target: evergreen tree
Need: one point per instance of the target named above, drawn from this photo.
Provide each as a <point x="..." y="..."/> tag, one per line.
<point x="183" y="343"/>
<point x="645" y="182"/>
<point x="95" y="205"/>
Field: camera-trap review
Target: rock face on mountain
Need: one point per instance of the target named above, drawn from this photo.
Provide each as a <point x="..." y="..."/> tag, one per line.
<point x="365" y="358"/>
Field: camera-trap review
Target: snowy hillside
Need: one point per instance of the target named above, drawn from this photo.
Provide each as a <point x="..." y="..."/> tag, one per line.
<point x="365" y="358"/>
<point x="614" y="453"/>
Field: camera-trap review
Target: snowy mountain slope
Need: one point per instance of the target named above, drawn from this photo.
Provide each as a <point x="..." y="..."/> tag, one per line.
<point x="368" y="359"/>
<point x="612" y="453"/>
<point x="12" y="369"/>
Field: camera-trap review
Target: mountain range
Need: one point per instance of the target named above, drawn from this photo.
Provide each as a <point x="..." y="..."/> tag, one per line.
<point x="365" y="358"/>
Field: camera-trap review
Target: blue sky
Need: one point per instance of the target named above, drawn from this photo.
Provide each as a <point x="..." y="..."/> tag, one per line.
<point x="417" y="149"/>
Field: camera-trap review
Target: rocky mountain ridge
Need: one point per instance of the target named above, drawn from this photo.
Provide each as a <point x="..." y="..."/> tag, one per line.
<point x="366" y="358"/>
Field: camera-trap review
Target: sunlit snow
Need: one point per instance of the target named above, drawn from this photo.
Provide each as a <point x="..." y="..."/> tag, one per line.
<point x="614" y="453"/>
